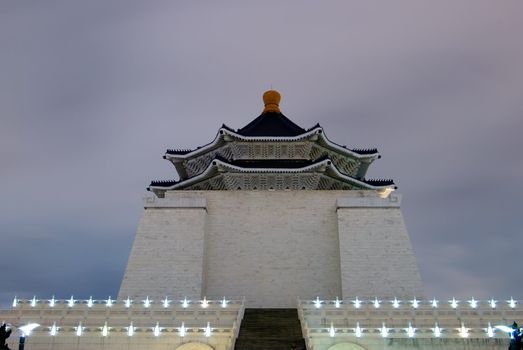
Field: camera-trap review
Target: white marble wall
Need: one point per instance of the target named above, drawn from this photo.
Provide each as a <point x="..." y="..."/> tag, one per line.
<point x="271" y="246"/>
<point x="376" y="255"/>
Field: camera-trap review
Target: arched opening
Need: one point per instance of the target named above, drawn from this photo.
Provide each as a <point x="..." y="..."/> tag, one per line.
<point x="346" y="346"/>
<point x="194" y="346"/>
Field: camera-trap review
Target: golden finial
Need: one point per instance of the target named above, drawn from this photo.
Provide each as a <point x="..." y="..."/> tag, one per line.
<point x="271" y="99"/>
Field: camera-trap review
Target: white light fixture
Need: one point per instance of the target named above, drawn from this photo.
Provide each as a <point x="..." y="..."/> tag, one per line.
<point x="337" y="303"/>
<point x="492" y="303"/>
<point x="109" y="302"/>
<point x="157" y="330"/>
<point x="128" y="302"/>
<point x="490" y="331"/>
<point x="434" y="303"/>
<point x="28" y="328"/>
<point x="512" y="303"/>
<point x="384" y="331"/>
<point x="53" y="330"/>
<point x="357" y="303"/>
<point x="182" y="331"/>
<point x="105" y="330"/>
<point x="376" y="303"/>
<point x="358" y="331"/>
<point x="454" y="303"/>
<point x="473" y="303"/>
<point x="224" y="303"/>
<point x="205" y="303"/>
<point x="71" y="301"/>
<point x="147" y="302"/>
<point x="79" y="329"/>
<point x="33" y="301"/>
<point x="332" y="331"/>
<point x="90" y="302"/>
<point x="415" y="303"/>
<point x="411" y="331"/>
<point x="185" y="303"/>
<point x="208" y="330"/>
<point x="15" y="302"/>
<point x="317" y="303"/>
<point x="463" y="331"/>
<point x="52" y="302"/>
<point x="505" y="329"/>
<point x="166" y="302"/>
<point x="130" y="330"/>
<point x="395" y="303"/>
<point x="437" y="331"/>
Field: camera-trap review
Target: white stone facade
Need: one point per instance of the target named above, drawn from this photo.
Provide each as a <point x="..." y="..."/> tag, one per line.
<point x="271" y="247"/>
<point x="156" y="327"/>
<point x="327" y="325"/>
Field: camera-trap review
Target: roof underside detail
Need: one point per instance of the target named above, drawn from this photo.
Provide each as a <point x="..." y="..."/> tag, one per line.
<point x="271" y="175"/>
<point x="312" y="145"/>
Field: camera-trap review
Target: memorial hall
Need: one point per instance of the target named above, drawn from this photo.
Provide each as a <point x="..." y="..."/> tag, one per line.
<point x="270" y="236"/>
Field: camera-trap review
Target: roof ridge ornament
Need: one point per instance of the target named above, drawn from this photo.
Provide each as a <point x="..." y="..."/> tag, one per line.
<point x="271" y="100"/>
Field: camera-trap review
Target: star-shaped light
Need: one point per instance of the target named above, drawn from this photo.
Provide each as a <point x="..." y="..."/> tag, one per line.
<point x="376" y="303"/>
<point x="15" y="302"/>
<point x="166" y="302"/>
<point x="492" y="303"/>
<point x="224" y="303"/>
<point x="109" y="302"/>
<point x="105" y="330"/>
<point x="317" y="303"/>
<point x="33" y="301"/>
<point x="53" y="330"/>
<point x="182" y="331"/>
<point x="454" y="303"/>
<point x="157" y="330"/>
<point x="127" y="302"/>
<point x="52" y="302"/>
<point x="79" y="329"/>
<point x="463" y="331"/>
<point x="512" y="303"/>
<point x="130" y="330"/>
<point x="489" y="331"/>
<point x="332" y="331"/>
<point x="207" y="330"/>
<point x="71" y="301"/>
<point x="415" y="303"/>
<point x="473" y="303"/>
<point x="205" y="303"/>
<point x="147" y="302"/>
<point x="384" y="331"/>
<point x="185" y="303"/>
<point x="357" y="303"/>
<point x="395" y="303"/>
<point x="437" y="331"/>
<point x="434" y="303"/>
<point x="358" y="331"/>
<point x="411" y="331"/>
<point x="337" y="303"/>
<point x="90" y="302"/>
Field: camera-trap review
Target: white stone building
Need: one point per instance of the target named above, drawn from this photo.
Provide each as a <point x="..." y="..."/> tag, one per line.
<point x="272" y="238"/>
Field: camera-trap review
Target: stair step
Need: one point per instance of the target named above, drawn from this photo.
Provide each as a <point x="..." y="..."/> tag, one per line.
<point x="274" y="329"/>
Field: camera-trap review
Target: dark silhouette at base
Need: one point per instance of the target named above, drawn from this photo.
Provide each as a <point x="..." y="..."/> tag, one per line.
<point x="4" y="334"/>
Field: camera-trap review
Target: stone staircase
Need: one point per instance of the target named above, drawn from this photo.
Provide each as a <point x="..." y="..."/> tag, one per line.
<point x="270" y="329"/>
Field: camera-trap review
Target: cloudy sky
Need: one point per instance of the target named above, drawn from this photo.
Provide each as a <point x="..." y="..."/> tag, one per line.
<point x="93" y="92"/>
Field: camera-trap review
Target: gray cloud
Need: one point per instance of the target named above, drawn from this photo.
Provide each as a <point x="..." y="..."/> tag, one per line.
<point x="92" y="93"/>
